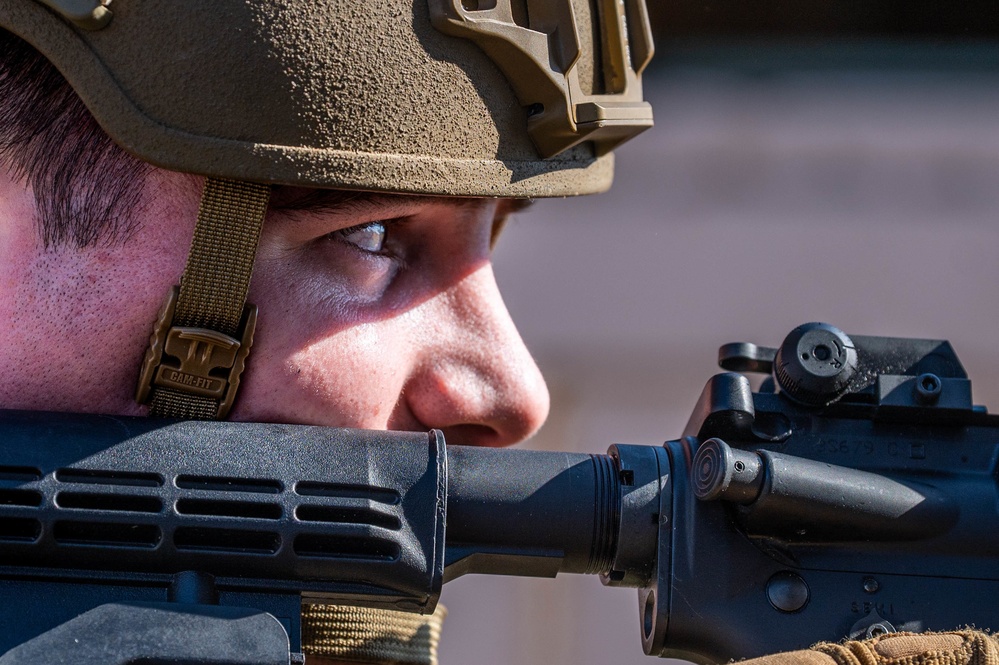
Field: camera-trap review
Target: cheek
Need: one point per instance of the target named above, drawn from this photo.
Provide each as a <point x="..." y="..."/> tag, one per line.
<point x="352" y="377"/>
<point x="360" y="371"/>
<point x="80" y="320"/>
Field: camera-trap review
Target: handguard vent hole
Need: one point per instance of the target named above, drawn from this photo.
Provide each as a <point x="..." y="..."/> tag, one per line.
<point x="340" y="491"/>
<point x="123" y="478"/>
<point x="341" y="515"/>
<point x="247" y="509"/>
<point x="19" y="529"/>
<point x="19" y="474"/>
<point x="113" y="502"/>
<point x="28" y="498"/>
<point x="226" y="540"/>
<point x="107" y="534"/>
<point x="222" y="484"/>
<point x="338" y="547"/>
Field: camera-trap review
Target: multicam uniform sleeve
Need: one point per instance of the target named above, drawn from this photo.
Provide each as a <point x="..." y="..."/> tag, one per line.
<point x="959" y="647"/>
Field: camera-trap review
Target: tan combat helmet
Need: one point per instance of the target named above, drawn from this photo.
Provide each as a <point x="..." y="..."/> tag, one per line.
<point x="511" y="98"/>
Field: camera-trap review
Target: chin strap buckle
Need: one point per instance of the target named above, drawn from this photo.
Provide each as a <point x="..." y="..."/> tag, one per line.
<point x="203" y="335"/>
<point x="195" y="361"/>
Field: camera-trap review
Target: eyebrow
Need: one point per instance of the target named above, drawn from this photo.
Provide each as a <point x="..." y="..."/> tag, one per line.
<point x="286" y="198"/>
<point x="519" y="205"/>
<point x="513" y="206"/>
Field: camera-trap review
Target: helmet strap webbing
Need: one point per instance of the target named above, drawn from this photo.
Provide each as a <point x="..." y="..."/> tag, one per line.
<point x="200" y="343"/>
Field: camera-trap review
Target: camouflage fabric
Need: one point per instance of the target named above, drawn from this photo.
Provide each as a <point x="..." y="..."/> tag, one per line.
<point x="959" y="647"/>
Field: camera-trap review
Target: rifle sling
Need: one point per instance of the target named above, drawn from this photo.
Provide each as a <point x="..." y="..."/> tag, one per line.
<point x="371" y="635"/>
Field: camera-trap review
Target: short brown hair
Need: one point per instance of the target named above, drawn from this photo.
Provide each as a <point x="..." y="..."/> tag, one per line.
<point x="86" y="188"/>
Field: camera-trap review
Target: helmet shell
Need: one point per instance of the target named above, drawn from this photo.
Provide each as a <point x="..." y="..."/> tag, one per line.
<point x="321" y="93"/>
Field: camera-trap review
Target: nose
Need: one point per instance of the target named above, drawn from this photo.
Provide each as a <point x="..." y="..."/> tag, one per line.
<point x="477" y="382"/>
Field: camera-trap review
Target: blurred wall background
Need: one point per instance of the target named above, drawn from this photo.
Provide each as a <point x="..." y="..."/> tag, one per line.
<point x="834" y="161"/>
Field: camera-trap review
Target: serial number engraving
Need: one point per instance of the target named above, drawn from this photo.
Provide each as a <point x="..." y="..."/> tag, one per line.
<point x="866" y="606"/>
<point x="845" y="446"/>
<point x="916" y="451"/>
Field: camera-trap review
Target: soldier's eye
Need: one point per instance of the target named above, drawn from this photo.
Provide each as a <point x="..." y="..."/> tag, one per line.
<point x="368" y="237"/>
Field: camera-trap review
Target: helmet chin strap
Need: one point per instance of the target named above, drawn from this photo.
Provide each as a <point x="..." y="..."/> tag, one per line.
<point x="201" y="340"/>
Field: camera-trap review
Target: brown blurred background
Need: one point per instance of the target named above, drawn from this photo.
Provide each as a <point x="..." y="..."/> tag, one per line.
<point x="825" y="160"/>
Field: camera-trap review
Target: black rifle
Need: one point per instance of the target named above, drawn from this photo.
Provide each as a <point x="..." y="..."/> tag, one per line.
<point x="854" y="493"/>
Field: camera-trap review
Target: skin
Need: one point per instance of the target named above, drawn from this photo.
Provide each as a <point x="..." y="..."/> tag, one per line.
<point x="412" y="336"/>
